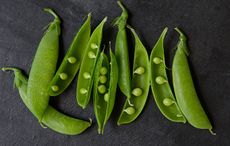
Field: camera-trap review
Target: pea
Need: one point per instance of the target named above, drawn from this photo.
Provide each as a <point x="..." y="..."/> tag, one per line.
<point x="101" y="89"/>
<point x="63" y="76"/>
<point x="55" y="88"/>
<point x="184" y="88"/>
<point x="163" y="95"/>
<point x="102" y="79"/>
<point x="88" y="65"/>
<point x="72" y="60"/>
<point x="103" y="70"/>
<point x="140" y="82"/>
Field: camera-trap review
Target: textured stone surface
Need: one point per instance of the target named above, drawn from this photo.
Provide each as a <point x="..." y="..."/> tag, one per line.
<point x="206" y="23"/>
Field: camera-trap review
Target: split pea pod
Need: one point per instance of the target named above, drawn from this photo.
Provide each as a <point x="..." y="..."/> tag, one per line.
<point x="105" y="85"/>
<point x="86" y="73"/>
<point x="43" y="67"/>
<point x="161" y="89"/>
<point x="72" y="60"/>
<point x="140" y="83"/>
<point x="121" y="53"/>
<point x="184" y="89"/>
<point x="51" y="118"/>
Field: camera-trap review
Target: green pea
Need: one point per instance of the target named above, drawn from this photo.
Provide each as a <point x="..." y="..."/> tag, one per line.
<point x="137" y="92"/>
<point x="160" y="80"/>
<point x="44" y="67"/>
<point x="139" y="70"/>
<point x="94" y="46"/>
<point x="91" y="55"/>
<point x="106" y="97"/>
<point x="160" y="93"/>
<point x="103" y="70"/>
<point x="157" y="60"/>
<point x="83" y="91"/>
<point x="55" y="88"/>
<point x="72" y="60"/>
<point x="130" y="110"/>
<point x="101" y="89"/>
<point x="141" y="66"/>
<point x="86" y="75"/>
<point x="63" y="76"/>
<point x="184" y="88"/>
<point x="168" y="102"/>
<point x="88" y="65"/>
<point x="103" y="79"/>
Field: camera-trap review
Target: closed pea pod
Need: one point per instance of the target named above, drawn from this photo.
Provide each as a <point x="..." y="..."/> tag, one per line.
<point x="184" y="89"/>
<point x="161" y="89"/>
<point x="86" y="73"/>
<point x="43" y="67"/>
<point x="104" y="102"/>
<point x="121" y="53"/>
<point x="140" y="83"/>
<point x="72" y="60"/>
<point x="51" y="118"/>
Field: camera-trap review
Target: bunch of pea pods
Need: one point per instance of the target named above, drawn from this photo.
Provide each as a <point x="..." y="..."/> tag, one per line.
<point x="100" y="74"/>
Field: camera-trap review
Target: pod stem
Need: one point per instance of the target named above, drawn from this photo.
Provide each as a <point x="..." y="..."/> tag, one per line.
<point x="213" y="133"/>
<point x="182" y="42"/>
<point x="52" y="13"/>
<point x="123" y="8"/>
<point x="9" y="69"/>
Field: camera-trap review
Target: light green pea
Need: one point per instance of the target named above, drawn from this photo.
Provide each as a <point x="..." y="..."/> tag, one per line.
<point x="63" y="76"/>
<point x="168" y="102"/>
<point x="137" y="92"/>
<point x="103" y="70"/>
<point x="72" y="60"/>
<point x="91" y="55"/>
<point x="94" y="46"/>
<point x="101" y="89"/>
<point x="157" y="60"/>
<point x="83" y="91"/>
<point x="139" y="70"/>
<point x="55" y="88"/>
<point x="103" y="79"/>
<point x="86" y="75"/>
<point x="106" y="97"/>
<point x="160" y="80"/>
<point x="130" y="110"/>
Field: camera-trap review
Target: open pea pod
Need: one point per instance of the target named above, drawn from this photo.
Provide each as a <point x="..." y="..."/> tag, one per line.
<point x="86" y="73"/>
<point x="53" y="119"/>
<point x="161" y="89"/>
<point x="185" y="92"/>
<point x="72" y="60"/>
<point x="105" y="84"/>
<point x="140" y="84"/>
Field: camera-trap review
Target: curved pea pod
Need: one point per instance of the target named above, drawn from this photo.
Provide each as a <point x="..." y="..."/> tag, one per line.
<point x="122" y="54"/>
<point x="185" y="92"/>
<point x="72" y="60"/>
<point x="86" y="73"/>
<point x="140" y="84"/>
<point x="51" y="118"/>
<point x="62" y="123"/>
<point x="104" y="98"/>
<point x="161" y="89"/>
<point x="43" y="67"/>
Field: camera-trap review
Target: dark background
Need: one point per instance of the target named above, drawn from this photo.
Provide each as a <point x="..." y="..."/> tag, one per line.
<point x="206" y="23"/>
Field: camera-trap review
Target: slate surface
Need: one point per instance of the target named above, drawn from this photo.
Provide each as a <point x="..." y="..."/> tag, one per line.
<point x="206" y="23"/>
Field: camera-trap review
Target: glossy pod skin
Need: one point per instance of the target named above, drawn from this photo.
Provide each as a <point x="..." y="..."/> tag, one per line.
<point x="121" y="53"/>
<point x="184" y="89"/>
<point x="162" y="92"/>
<point x="43" y="67"/>
<point x="51" y="118"/>
<point x="104" y="99"/>
<point x="72" y="60"/>
<point x="86" y="73"/>
<point x="140" y="84"/>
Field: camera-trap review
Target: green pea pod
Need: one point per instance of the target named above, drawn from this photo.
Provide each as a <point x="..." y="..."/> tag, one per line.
<point x="140" y="83"/>
<point x="163" y="94"/>
<point x="72" y="60"/>
<point x="43" y="67"/>
<point x="122" y="55"/>
<point x="86" y="73"/>
<point x="104" y="99"/>
<point x="51" y="118"/>
<point x="185" y="92"/>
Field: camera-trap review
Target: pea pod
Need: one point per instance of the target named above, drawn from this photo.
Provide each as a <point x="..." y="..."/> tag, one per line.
<point x="121" y="53"/>
<point x="86" y="73"/>
<point x="72" y="60"/>
<point x="140" y="83"/>
<point x="104" y="99"/>
<point x="51" y="118"/>
<point x="184" y="89"/>
<point x="43" y="67"/>
<point x="161" y="89"/>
